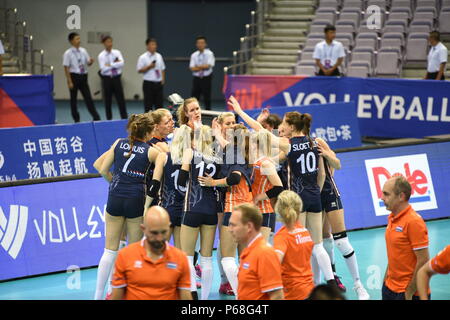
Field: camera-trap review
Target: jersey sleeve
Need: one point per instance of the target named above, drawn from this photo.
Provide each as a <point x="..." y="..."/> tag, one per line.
<point x="279" y="244"/>
<point x="269" y="271"/>
<point x="119" y="278"/>
<point x="317" y="52"/>
<point x="341" y="51"/>
<point x="184" y="282"/>
<point x="192" y="61"/>
<point x="443" y="56"/>
<point x="441" y="262"/>
<point x="66" y="59"/>
<point x="418" y="234"/>
<point x="140" y="63"/>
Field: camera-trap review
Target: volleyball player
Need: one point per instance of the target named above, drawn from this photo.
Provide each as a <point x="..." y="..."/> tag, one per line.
<point x="306" y="175"/>
<point x="266" y="182"/>
<point x="236" y="175"/>
<point x="131" y="158"/>
<point x="190" y="113"/>
<point x="294" y="246"/>
<point x="334" y="220"/>
<point x="200" y="207"/>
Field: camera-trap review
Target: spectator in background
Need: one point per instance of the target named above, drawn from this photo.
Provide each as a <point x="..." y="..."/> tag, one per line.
<point x="2" y="52"/>
<point x="201" y="65"/>
<point x="76" y="61"/>
<point x="439" y="264"/>
<point x="111" y="63"/>
<point x="151" y="64"/>
<point x="437" y="57"/>
<point x="406" y="242"/>
<point x="329" y="53"/>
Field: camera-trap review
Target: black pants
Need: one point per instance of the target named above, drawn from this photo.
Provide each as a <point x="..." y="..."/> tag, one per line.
<point x="335" y="73"/>
<point x="80" y="82"/>
<point x="387" y="294"/>
<point x="202" y="86"/>
<point x="433" y="75"/>
<point x="113" y="85"/>
<point x="153" y="95"/>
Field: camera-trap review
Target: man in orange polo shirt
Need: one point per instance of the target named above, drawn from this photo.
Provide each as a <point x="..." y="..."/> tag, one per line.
<point x="406" y="242"/>
<point x="152" y="269"/>
<point x="439" y="264"/>
<point x="259" y="276"/>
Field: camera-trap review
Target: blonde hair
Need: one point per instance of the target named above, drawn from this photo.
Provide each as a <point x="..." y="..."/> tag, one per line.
<point x="181" y="141"/>
<point x="181" y="112"/>
<point x="223" y="115"/>
<point x="288" y="206"/>
<point x="203" y="140"/>
<point x="263" y="142"/>
<point x="159" y="114"/>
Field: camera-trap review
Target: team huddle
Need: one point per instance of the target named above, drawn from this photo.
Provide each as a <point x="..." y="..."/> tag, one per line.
<point x="226" y="178"/>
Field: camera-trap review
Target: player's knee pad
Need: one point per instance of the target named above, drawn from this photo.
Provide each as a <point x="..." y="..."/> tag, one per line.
<point x="109" y="254"/>
<point x="339" y="235"/>
<point x="318" y="247"/>
<point x="345" y="247"/>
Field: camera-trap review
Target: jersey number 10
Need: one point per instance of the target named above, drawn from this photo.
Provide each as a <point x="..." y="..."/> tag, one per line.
<point x="310" y="164"/>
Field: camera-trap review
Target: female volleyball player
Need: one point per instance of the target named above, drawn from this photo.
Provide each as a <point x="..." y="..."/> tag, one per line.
<point x="200" y="208"/>
<point x="334" y="213"/>
<point x="131" y="158"/>
<point x="237" y="180"/>
<point x="306" y="175"/>
<point x="294" y="246"/>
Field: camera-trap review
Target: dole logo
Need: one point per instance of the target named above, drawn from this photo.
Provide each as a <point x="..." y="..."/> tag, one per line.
<point x="14" y="229"/>
<point x="414" y="168"/>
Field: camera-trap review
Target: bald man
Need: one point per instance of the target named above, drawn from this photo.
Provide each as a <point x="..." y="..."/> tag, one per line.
<point x="152" y="269"/>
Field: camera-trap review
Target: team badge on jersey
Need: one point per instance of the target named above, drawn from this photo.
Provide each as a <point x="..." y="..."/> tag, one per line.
<point x="246" y="265"/>
<point x="399" y="229"/>
<point x="171" y="265"/>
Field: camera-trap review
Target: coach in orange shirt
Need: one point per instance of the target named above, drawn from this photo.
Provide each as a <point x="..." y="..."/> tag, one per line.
<point x="152" y="269"/>
<point x="439" y="264"/>
<point x="406" y="242"/>
<point x="259" y="276"/>
<point x="294" y="246"/>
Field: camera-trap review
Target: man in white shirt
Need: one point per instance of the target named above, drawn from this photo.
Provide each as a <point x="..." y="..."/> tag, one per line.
<point x="75" y="62"/>
<point x="329" y="53"/>
<point x="111" y="63"/>
<point x="201" y="65"/>
<point x="151" y="64"/>
<point x="2" y="51"/>
<point x="437" y="57"/>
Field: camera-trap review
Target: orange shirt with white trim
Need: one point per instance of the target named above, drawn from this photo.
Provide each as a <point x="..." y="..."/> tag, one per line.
<point x="441" y="262"/>
<point x="237" y="194"/>
<point x="145" y="279"/>
<point x="296" y="247"/>
<point x="261" y="184"/>
<point x="259" y="271"/>
<point x="405" y="233"/>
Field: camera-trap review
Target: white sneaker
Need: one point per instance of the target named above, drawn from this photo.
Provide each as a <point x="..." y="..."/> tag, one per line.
<point x="361" y="292"/>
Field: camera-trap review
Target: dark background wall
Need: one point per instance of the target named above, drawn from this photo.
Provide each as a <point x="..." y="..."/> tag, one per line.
<point x="175" y="24"/>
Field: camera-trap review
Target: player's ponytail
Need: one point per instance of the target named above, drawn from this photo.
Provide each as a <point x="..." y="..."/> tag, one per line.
<point x="306" y="120"/>
<point x="288" y="206"/>
<point x="139" y="129"/>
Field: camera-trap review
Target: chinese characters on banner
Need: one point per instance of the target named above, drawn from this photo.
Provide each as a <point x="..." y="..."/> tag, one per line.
<point x="47" y="149"/>
<point x="332" y="134"/>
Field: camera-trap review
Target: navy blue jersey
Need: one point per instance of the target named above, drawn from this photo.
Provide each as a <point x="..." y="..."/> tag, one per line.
<point x="172" y="195"/>
<point x="201" y="199"/>
<point x="329" y="185"/>
<point x="238" y="163"/>
<point x="129" y="172"/>
<point x="282" y="170"/>
<point x="153" y="141"/>
<point x="303" y="166"/>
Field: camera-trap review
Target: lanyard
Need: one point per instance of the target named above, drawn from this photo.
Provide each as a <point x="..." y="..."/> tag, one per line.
<point x="78" y="55"/>
<point x="329" y="51"/>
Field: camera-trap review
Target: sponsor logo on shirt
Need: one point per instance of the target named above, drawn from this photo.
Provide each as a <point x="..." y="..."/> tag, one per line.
<point x="138" y="264"/>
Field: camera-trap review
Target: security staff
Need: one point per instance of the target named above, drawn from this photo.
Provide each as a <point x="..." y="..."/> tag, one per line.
<point x="75" y="62"/>
<point x="151" y="64"/>
<point x="111" y="63"/>
<point x="437" y="57"/>
<point x="201" y="65"/>
<point x="329" y="53"/>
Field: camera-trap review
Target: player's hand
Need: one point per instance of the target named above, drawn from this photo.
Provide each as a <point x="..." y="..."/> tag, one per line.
<point x="233" y="103"/>
<point x="258" y="198"/>
<point x="187" y="156"/>
<point x="207" y="181"/>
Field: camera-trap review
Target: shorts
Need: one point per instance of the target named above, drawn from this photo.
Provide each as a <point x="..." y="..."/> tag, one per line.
<point x="175" y="214"/>
<point x="331" y="201"/>
<point x="269" y="220"/>
<point x="311" y="201"/>
<point x="388" y="294"/>
<point x="226" y="219"/>
<point x="195" y="219"/>
<point x="125" y="207"/>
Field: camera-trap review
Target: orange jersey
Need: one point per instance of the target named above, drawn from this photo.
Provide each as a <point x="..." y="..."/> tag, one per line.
<point x="135" y="272"/>
<point x="296" y="247"/>
<point x="261" y="184"/>
<point x="405" y="233"/>
<point x="259" y="271"/>
<point x="441" y="263"/>
<point x="237" y="194"/>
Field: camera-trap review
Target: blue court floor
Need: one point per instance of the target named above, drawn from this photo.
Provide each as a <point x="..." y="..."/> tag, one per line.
<point x="368" y="244"/>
